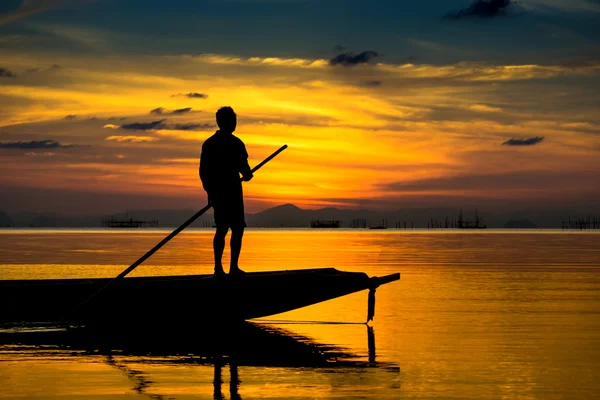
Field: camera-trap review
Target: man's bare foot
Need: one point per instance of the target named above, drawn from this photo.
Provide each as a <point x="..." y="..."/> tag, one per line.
<point x="236" y="271"/>
<point x="219" y="271"/>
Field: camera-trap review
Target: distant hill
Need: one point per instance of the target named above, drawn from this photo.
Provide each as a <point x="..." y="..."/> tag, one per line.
<point x="286" y="215"/>
<point x="5" y="220"/>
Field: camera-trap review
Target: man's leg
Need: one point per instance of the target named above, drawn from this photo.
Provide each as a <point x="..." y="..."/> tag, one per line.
<point x="236" y="248"/>
<point x="219" y="247"/>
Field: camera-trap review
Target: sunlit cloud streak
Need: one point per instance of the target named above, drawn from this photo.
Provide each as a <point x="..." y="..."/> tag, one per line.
<point x="132" y="139"/>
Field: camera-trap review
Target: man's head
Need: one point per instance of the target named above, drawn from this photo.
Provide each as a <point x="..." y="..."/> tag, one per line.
<point x="226" y="119"/>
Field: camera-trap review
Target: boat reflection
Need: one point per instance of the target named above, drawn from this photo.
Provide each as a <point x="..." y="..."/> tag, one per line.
<point x="242" y="344"/>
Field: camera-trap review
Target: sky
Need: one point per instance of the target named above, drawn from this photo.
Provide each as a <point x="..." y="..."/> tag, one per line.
<point x="105" y="104"/>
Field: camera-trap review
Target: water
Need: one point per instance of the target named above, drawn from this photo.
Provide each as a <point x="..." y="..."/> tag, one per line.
<point x="476" y="315"/>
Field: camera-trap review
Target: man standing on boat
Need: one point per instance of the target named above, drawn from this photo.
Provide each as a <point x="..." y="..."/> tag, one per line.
<point x="223" y="159"/>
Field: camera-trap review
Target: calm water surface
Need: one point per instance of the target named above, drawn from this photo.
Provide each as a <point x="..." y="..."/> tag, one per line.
<point x="476" y="315"/>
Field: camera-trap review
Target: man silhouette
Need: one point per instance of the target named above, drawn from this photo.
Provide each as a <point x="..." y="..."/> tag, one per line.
<point x="222" y="160"/>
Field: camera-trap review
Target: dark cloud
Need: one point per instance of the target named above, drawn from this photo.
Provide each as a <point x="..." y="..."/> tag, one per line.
<point x="181" y="111"/>
<point x="144" y="126"/>
<point x="339" y="47"/>
<point x="370" y="83"/>
<point x="524" y="142"/>
<point x="160" y="124"/>
<point x="350" y="59"/>
<point x="192" y="95"/>
<point x="71" y="117"/>
<point x="190" y="127"/>
<point x="34" y="144"/>
<point x="161" y="110"/>
<point x="483" y="9"/>
<point x="6" y="73"/>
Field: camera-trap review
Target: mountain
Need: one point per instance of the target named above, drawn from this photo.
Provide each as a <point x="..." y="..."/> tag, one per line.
<point x="5" y="220"/>
<point x="286" y="215"/>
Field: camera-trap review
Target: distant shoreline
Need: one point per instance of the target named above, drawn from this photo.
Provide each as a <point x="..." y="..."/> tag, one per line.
<point x="298" y="229"/>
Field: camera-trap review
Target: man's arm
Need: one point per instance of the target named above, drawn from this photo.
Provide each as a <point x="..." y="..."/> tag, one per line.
<point x="245" y="167"/>
<point x="203" y="170"/>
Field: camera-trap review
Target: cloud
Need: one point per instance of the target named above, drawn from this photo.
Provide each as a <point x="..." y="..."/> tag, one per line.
<point x="161" y="110"/>
<point x="35" y="144"/>
<point x="192" y="95"/>
<point x="260" y="61"/>
<point x="181" y="111"/>
<point x="6" y="73"/>
<point x="373" y="83"/>
<point x="483" y="9"/>
<point x="144" y="126"/>
<point x="350" y="59"/>
<point x="524" y="142"/>
<point x="131" y="139"/>
<point x="111" y="126"/>
<point x="160" y="124"/>
<point x="190" y="127"/>
<point x="459" y="72"/>
<point x="71" y="117"/>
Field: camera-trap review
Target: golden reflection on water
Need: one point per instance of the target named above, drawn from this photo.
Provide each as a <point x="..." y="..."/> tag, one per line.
<point x="475" y="315"/>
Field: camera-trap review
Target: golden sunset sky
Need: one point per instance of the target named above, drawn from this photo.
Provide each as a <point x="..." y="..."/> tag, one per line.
<point x="104" y="107"/>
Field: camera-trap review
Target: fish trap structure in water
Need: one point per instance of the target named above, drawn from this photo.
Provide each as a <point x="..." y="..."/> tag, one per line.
<point x="128" y="223"/>
<point x="316" y="223"/>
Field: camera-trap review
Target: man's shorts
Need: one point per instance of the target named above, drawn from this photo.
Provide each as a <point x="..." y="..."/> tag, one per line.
<point x="229" y="212"/>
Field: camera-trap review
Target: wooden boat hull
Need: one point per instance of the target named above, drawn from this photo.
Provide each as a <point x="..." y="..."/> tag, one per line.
<point x="178" y="298"/>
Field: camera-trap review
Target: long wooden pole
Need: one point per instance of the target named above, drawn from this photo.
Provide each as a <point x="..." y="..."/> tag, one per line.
<point x="166" y="239"/>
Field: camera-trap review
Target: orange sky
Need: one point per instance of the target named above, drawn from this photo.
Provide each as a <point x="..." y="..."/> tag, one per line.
<point x="380" y="135"/>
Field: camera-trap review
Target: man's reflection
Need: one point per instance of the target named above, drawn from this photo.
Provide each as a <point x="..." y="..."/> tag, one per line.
<point x="234" y="380"/>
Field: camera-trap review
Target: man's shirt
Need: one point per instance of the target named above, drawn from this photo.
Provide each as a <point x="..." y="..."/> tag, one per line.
<point x="222" y="160"/>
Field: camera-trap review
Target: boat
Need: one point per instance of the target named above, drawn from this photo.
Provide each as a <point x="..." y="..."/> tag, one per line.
<point x="179" y="298"/>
